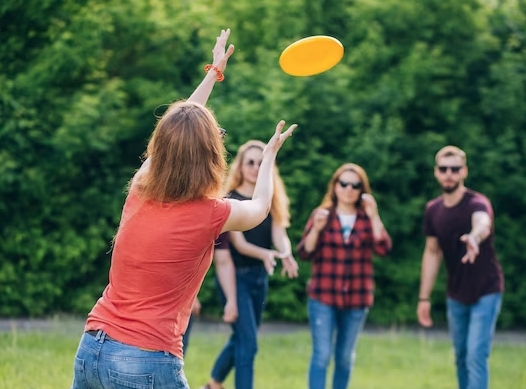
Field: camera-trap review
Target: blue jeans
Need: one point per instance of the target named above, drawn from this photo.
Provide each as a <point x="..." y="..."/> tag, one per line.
<point x="472" y="328"/>
<point x="241" y="348"/>
<point x="323" y="321"/>
<point x="101" y="363"/>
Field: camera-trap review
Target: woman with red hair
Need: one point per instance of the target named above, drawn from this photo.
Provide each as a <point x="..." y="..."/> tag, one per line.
<point x="163" y="248"/>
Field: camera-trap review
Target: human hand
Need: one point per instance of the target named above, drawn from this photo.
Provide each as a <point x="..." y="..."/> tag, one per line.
<point x="472" y="248"/>
<point x="196" y="307"/>
<point x="220" y="55"/>
<point x="269" y="260"/>
<point x="230" y="312"/>
<point x="423" y="312"/>
<point x="319" y="218"/>
<point x="369" y="205"/>
<point x="290" y="266"/>
<point x="277" y="140"/>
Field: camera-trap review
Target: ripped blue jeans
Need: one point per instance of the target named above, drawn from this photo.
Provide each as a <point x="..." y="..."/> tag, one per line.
<point x="324" y="321"/>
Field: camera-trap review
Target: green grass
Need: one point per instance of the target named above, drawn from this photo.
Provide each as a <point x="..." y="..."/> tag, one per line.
<point x="390" y="360"/>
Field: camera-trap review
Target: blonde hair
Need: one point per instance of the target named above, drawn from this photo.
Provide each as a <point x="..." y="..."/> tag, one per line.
<point x="451" y="151"/>
<point x="330" y="200"/>
<point x="279" y="208"/>
<point x="186" y="154"/>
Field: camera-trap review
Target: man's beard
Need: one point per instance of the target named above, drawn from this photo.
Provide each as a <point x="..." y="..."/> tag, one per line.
<point x="451" y="189"/>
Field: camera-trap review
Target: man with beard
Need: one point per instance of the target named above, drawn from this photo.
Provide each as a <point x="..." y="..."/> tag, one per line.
<point x="458" y="226"/>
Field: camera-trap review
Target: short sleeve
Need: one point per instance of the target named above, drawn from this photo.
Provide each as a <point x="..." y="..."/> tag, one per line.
<point x="481" y="203"/>
<point x="222" y="242"/>
<point x="427" y="228"/>
<point x="220" y="214"/>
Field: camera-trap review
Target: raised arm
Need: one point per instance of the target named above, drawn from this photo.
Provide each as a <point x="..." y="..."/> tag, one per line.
<point x="220" y="59"/>
<point x="247" y="214"/>
<point x="431" y="260"/>
<point x="204" y="89"/>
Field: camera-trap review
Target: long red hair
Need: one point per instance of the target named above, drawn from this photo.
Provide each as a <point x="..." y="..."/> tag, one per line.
<point x="186" y="154"/>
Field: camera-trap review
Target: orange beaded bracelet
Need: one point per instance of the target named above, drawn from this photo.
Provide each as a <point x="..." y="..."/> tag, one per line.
<point x="219" y="73"/>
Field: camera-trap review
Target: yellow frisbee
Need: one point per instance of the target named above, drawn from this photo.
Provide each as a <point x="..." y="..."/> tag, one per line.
<point x="311" y="55"/>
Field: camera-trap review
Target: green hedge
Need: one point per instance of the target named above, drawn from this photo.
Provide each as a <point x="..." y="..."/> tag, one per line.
<point x="81" y="81"/>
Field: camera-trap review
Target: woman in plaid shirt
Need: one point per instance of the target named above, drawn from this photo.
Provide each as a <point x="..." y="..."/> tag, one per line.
<point x="340" y="238"/>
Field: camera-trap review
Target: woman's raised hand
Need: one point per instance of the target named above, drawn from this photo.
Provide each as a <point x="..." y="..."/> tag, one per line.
<point x="221" y="55"/>
<point x="277" y="140"/>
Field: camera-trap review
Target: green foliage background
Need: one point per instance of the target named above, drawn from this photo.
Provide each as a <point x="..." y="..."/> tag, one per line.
<point x="81" y="81"/>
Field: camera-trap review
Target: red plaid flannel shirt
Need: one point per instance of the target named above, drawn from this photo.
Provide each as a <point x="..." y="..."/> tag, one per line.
<point x="342" y="272"/>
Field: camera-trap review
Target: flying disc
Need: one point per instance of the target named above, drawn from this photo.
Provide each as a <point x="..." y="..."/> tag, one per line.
<point x="311" y="55"/>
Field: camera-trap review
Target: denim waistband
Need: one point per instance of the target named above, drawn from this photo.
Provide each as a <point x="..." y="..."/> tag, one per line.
<point x="95" y="332"/>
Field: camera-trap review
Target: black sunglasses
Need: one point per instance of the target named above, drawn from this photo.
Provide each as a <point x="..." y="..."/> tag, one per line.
<point x="222" y="132"/>
<point x="354" y="185"/>
<point x="454" y="169"/>
<point x="252" y="162"/>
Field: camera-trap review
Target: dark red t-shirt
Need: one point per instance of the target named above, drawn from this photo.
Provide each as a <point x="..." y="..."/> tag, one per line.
<point x="466" y="282"/>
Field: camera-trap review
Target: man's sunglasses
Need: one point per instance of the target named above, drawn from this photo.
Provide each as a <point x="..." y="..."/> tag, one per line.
<point x="354" y="185"/>
<point x="454" y="169"/>
<point x="222" y="132"/>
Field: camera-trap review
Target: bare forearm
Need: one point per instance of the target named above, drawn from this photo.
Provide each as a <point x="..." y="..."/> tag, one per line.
<point x="481" y="229"/>
<point x="311" y="240"/>
<point x="264" y="185"/>
<point x="378" y="227"/>
<point x="250" y="250"/>
<point x="430" y="267"/>
<point x="280" y="239"/>
<point x="481" y="223"/>
<point x="283" y="245"/>
<point x="226" y="275"/>
<point x="203" y="91"/>
<point x="220" y="58"/>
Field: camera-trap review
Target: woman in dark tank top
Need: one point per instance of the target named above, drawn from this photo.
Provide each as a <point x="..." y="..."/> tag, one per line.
<point x="254" y="253"/>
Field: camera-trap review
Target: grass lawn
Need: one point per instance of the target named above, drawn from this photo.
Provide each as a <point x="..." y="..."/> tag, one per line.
<point x="38" y="360"/>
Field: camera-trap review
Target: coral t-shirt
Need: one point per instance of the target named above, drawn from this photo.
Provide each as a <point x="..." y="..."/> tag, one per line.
<point x="161" y="254"/>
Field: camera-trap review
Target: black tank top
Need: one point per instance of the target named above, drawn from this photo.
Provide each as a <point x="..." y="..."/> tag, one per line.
<point x="260" y="236"/>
